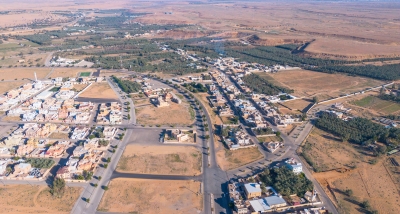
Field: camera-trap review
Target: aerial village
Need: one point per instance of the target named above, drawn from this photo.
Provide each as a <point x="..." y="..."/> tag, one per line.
<point x="50" y="124"/>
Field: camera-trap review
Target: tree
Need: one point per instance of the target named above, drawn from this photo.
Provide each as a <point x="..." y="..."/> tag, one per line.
<point x="365" y="204"/>
<point x="87" y="175"/>
<point x="58" y="187"/>
<point x="278" y="134"/>
<point x="315" y="99"/>
<point x="348" y="192"/>
<point x="345" y="137"/>
<point x="105" y="188"/>
<point x="105" y="166"/>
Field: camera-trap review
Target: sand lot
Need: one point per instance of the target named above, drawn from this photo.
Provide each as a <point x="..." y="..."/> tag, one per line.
<point x="19" y="73"/>
<point x="309" y="83"/>
<point x="327" y="152"/>
<point x="351" y="48"/>
<point x="100" y="91"/>
<point x="341" y="166"/>
<point x="152" y="196"/>
<point x="6" y="86"/>
<point x="368" y="182"/>
<point x="174" y="114"/>
<point x="176" y="160"/>
<point x="69" y="72"/>
<point x="299" y="104"/>
<point x="232" y="159"/>
<point x="34" y="199"/>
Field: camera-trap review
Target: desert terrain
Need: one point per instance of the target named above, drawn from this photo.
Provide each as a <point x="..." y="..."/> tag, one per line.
<point x="174" y="114"/>
<point x="340" y="166"/>
<point x="174" y="160"/>
<point x="152" y="196"/>
<point x="99" y="91"/>
<point x="309" y="83"/>
<point x="228" y="159"/>
<point x="36" y="199"/>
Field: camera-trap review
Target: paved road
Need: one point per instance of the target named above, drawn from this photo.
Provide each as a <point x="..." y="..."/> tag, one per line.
<point x="155" y="177"/>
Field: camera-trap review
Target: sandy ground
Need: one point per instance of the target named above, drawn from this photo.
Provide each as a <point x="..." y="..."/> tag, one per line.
<point x="59" y="135"/>
<point x="7" y="86"/>
<point x="35" y="199"/>
<point x="19" y="73"/>
<point x="346" y="167"/>
<point x="332" y="153"/>
<point x="99" y="90"/>
<point x="299" y="104"/>
<point x="68" y="72"/>
<point x="79" y="87"/>
<point x="368" y="182"/>
<point x="309" y="83"/>
<point x="174" y="114"/>
<point x="152" y="196"/>
<point x="351" y="48"/>
<point x="179" y="160"/>
<point x="232" y="159"/>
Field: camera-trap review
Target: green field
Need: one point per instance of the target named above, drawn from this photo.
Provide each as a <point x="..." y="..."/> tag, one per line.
<point x="85" y="74"/>
<point x="364" y="102"/>
<point x="379" y="105"/>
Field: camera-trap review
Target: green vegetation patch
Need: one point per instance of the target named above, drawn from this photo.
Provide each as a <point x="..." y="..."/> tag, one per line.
<point x="286" y="182"/>
<point x="42" y="163"/>
<point x="85" y="74"/>
<point x="127" y="86"/>
<point x="262" y="86"/>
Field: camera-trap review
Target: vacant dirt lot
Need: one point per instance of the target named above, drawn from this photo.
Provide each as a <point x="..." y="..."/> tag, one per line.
<point x="174" y="114"/>
<point x="177" y="160"/>
<point x="6" y="86"/>
<point x="99" y="90"/>
<point x="309" y="83"/>
<point x="345" y="167"/>
<point x="69" y="72"/>
<point x="368" y="182"/>
<point x="20" y="73"/>
<point x="34" y="199"/>
<point x="351" y="48"/>
<point x="232" y="159"/>
<point x="299" y="104"/>
<point x="327" y="152"/>
<point x="152" y="196"/>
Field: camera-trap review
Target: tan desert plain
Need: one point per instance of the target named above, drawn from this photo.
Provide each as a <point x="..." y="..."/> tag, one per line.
<point x="193" y="106"/>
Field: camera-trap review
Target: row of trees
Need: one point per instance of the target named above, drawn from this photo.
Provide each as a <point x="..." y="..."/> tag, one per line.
<point x="357" y="130"/>
<point x="195" y="87"/>
<point x="42" y="163"/>
<point x="127" y="86"/>
<point x="262" y="86"/>
<point x="390" y="97"/>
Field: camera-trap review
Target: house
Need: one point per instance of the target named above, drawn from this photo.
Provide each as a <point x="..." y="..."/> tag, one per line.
<point x="79" y="151"/>
<point x="3" y="166"/>
<point x="252" y="190"/>
<point x="115" y="117"/>
<point x="273" y="146"/>
<point x="267" y="204"/>
<point x="109" y="132"/>
<point x="55" y="150"/>
<point x="294" y="165"/>
<point x="25" y="150"/>
<point x="160" y="102"/>
<point x="63" y="172"/>
<point x="179" y="135"/>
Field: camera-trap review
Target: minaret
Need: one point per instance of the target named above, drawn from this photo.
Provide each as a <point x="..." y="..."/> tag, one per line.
<point x="35" y="77"/>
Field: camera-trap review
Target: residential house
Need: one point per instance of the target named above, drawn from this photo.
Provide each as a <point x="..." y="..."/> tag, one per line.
<point x="252" y="190"/>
